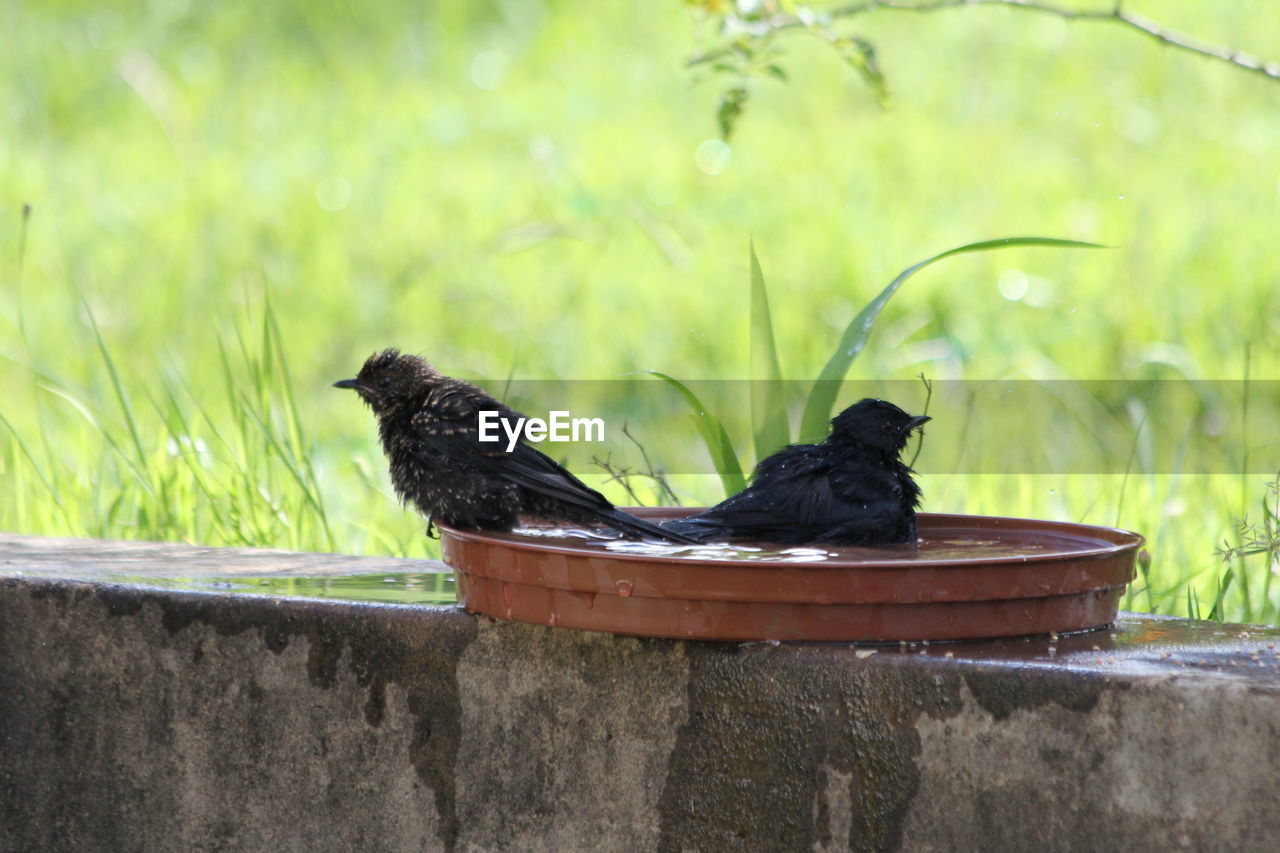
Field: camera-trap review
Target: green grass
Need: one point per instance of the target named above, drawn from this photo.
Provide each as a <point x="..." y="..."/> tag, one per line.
<point x="234" y="204"/>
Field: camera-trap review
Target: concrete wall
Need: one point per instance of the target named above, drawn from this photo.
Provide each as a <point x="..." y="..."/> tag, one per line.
<point x="146" y="719"/>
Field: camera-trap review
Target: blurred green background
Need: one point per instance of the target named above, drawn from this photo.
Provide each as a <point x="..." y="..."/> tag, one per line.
<point x="233" y="203"/>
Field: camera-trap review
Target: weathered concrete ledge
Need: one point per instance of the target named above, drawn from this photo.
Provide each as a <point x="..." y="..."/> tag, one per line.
<point x="135" y="718"/>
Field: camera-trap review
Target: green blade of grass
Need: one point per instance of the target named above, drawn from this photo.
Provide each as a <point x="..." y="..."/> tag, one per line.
<point x="190" y="459"/>
<point x="121" y="395"/>
<point x="138" y="473"/>
<point x="276" y="447"/>
<point x="1244" y="475"/>
<point x="1128" y="468"/>
<point x="713" y="435"/>
<point x="1269" y="537"/>
<point x="35" y="466"/>
<point x="293" y="423"/>
<point x="768" y="406"/>
<point x="1224" y="584"/>
<point x="18" y="278"/>
<point x="817" y="408"/>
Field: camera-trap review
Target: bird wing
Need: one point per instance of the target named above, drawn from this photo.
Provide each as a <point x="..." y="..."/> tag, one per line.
<point x="535" y="470"/>
<point x="788" y="490"/>
<point x="799" y="494"/>
<point x="448" y="424"/>
<point x="868" y="504"/>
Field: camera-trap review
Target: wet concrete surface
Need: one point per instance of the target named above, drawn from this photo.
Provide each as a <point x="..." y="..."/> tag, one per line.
<point x="92" y="559"/>
<point x="136" y="717"/>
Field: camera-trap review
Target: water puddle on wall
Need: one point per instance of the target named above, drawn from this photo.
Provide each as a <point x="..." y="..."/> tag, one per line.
<point x="389" y="588"/>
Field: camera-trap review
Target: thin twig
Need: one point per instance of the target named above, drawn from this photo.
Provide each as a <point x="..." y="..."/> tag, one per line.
<point x="928" y="398"/>
<point x="622" y="476"/>
<point x="653" y="473"/>
<point x="1116" y="15"/>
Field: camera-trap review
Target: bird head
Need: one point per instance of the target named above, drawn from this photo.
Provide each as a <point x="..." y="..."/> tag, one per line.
<point x="875" y="423"/>
<point x="390" y="379"/>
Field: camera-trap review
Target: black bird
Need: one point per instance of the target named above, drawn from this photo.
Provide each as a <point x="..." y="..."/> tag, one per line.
<point x="429" y="427"/>
<point x="851" y="489"/>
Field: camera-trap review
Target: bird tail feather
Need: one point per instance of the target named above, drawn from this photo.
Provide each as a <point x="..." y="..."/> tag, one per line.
<point x="691" y="528"/>
<point x="628" y="523"/>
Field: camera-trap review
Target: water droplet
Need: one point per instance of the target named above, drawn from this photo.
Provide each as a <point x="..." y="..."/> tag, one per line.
<point x="508" y="612"/>
<point x="624" y="588"/>
<point x="554" y="620"/>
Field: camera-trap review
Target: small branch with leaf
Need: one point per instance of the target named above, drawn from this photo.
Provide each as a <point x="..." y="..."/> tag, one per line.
<point x="1262" y="537"/>
<point x="749" y="30"/>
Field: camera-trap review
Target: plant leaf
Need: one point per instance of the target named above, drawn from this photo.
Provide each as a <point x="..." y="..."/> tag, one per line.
<point x="122" y="396"/>
<point x="1224" y="584"/>
<point x="713" y="435"/>
<point x="769" y="425"/>
<point x="817" y="409"/>
<point x="729" y="109"/>
<point x="861" y="54"/>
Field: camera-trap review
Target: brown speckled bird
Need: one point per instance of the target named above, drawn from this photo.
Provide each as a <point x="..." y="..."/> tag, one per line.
<point x="429" y="427"/>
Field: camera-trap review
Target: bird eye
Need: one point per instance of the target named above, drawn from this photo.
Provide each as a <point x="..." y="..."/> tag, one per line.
<point x="384" y="382"/>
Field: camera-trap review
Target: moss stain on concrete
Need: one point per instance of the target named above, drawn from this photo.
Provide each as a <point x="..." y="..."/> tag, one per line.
<point x="380" y="646"/>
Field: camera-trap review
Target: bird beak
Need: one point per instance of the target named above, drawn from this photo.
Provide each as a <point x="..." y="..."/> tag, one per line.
<point x="916" y="421"/>
<point x="346" y="383"/>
